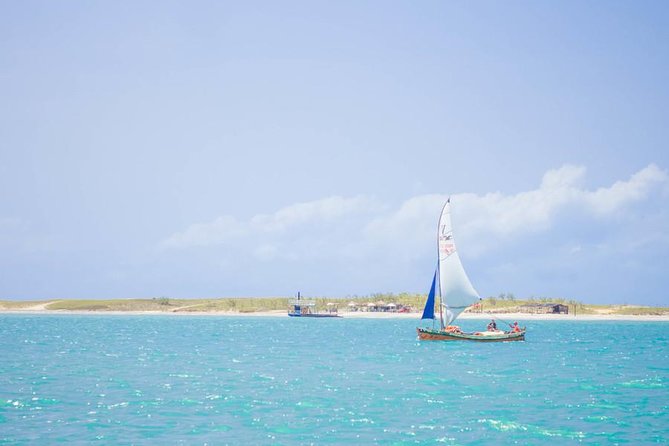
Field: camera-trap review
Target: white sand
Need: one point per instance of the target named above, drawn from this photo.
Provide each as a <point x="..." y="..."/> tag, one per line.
<point x="39" y="309"/>
<point x="511" y="317"/>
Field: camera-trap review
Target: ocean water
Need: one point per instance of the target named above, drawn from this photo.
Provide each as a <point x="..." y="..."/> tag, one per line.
<point x="245" y="380"/>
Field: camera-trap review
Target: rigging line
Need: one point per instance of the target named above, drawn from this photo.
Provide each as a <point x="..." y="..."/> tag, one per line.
<point x="494" y="316"/>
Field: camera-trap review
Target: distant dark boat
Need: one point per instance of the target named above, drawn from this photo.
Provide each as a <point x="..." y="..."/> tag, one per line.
<point x="455" y="293"/>
<point x="307" y="308"/>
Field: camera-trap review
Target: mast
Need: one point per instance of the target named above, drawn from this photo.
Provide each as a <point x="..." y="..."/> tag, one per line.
<point x="441" y="304"/>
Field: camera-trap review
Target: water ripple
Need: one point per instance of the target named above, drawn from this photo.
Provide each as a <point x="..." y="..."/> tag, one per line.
<point x="192" y="380"/>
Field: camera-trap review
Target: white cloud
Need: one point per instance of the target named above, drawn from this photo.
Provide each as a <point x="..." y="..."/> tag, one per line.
<point x="483" y="222"/>
<point x="326" y="209"/>
<point x="607" y="200"/>
<point x="565" y="177"/>
<point x="413" y="224"/>
<point x="203" y="234"/>
<point x="227" y="229"/>
<point x="369" y="230"/>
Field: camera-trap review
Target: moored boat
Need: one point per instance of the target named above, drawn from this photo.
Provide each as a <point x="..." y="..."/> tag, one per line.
<point x="307" y="308"/>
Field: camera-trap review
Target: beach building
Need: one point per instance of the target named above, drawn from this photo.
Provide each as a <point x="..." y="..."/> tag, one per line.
<point x="546" y="308"/>
<point x="379" y="307"/>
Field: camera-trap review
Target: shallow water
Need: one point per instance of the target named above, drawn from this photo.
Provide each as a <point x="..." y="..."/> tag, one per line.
<point x="81" y="379"/>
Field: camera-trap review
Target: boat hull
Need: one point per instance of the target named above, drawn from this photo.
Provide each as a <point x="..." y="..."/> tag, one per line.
<point x="426" y="334"/>
<point x="313" y="315"/>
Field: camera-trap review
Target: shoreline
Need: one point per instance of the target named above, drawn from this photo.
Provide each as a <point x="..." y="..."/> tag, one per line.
<point x="351" y="315"/>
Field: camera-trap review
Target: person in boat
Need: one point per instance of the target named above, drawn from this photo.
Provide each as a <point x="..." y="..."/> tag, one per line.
<point x="515" y="328"/>
<point x="492" y="326"/>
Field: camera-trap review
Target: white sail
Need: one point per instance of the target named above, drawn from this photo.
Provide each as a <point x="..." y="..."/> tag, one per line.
<point x="457" y="292"/>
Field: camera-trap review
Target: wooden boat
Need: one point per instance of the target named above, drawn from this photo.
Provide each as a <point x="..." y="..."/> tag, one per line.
<point x="306" y="308"/>
<point x="427" y="334"/>
<point x="455" y="293"/>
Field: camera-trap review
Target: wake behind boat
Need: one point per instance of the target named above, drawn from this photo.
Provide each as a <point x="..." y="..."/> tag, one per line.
<point x="455" y="294"/>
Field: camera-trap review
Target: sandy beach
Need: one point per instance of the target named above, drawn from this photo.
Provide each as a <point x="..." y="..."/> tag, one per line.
<point x="40" y="309"/>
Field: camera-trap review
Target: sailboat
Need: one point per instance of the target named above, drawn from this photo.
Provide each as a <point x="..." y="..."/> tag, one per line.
<point x="454" y="292"/>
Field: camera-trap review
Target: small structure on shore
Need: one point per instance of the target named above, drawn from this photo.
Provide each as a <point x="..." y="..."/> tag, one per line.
<point x="378" y="307"/>
<point x="546" y="308"/>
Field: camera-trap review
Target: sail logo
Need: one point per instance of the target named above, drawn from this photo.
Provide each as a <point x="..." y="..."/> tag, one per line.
<point x="446" y="244"/>
<point x="446" y="249"/>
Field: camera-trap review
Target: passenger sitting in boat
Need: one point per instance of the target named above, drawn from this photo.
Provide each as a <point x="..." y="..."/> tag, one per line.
<point x="515" y="328"/>
<point x="492" y="326"/>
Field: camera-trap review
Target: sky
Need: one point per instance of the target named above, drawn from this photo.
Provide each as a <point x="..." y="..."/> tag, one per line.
<point x="214" y="149"/>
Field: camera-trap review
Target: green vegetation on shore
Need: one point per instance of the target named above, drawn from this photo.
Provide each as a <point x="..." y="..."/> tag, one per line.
<point x="504" y="303"/>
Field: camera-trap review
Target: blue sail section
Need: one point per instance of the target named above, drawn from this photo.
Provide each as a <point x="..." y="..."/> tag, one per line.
<point x="428" y="312"/>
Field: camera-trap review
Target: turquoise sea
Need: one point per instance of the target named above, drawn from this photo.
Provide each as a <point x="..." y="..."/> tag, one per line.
<point x="87" y="379"/>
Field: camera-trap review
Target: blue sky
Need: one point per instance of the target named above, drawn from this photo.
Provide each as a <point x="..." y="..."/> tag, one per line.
<point x="204" y="149"/>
